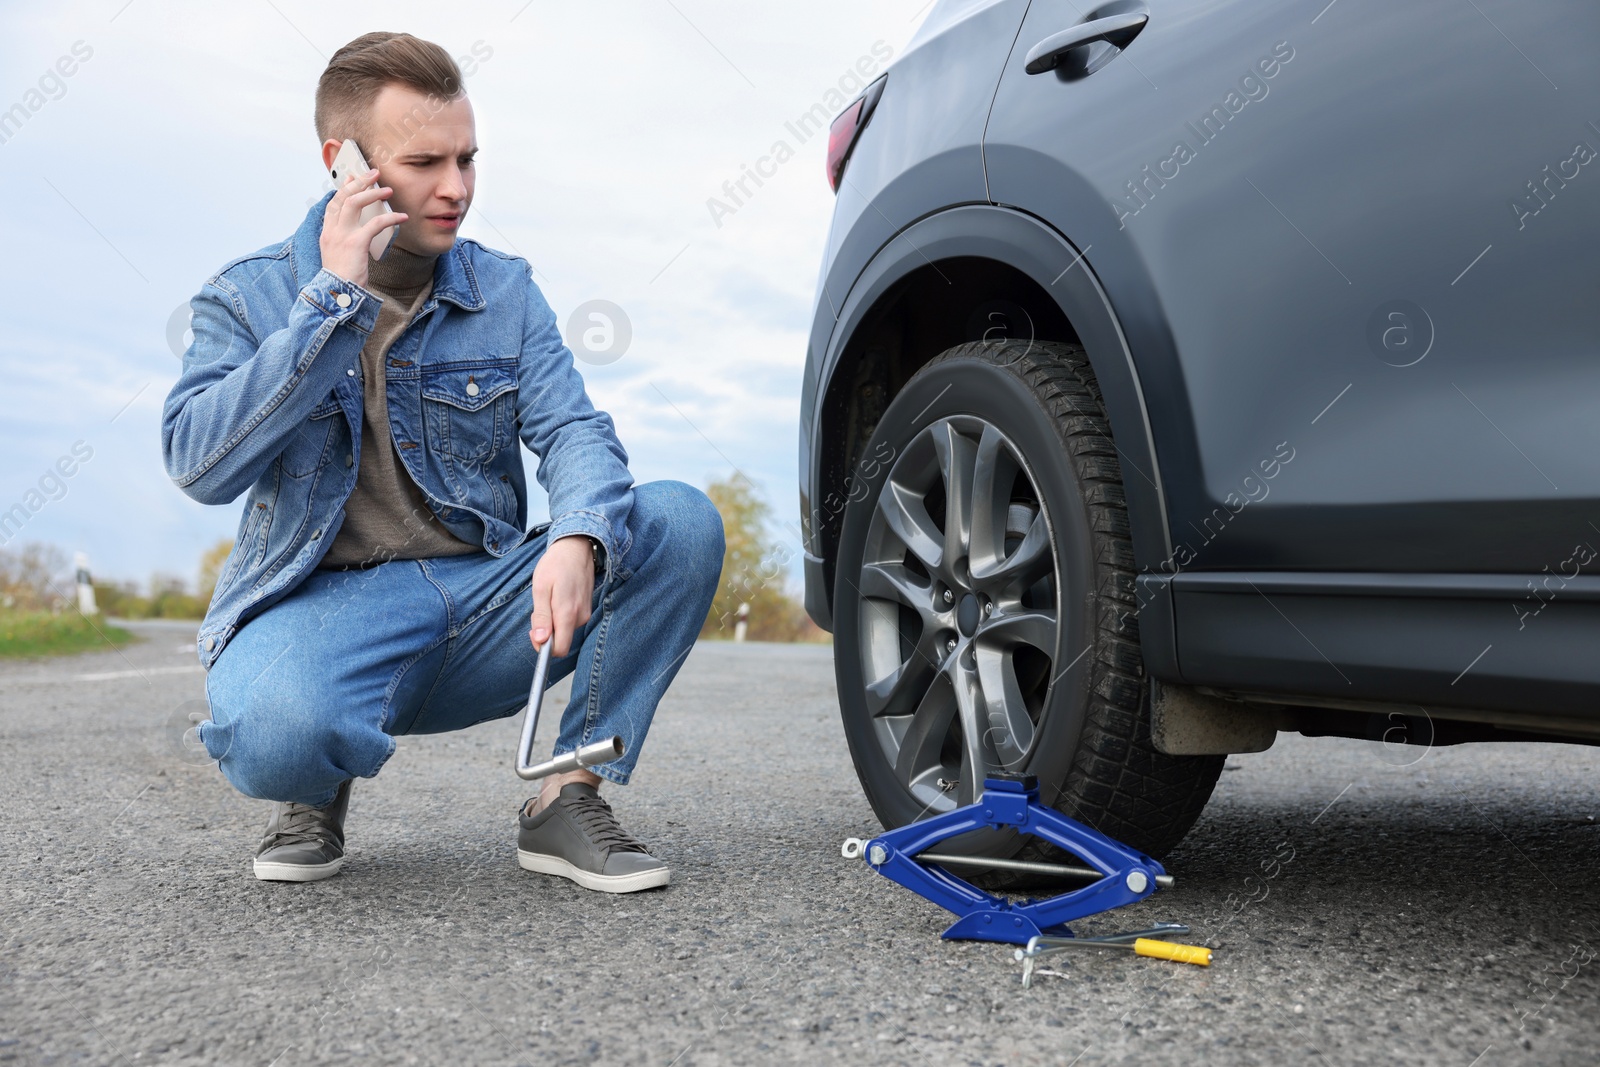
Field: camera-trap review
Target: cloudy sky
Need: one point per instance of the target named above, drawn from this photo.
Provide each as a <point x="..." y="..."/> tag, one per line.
<point x="183" y="137"/>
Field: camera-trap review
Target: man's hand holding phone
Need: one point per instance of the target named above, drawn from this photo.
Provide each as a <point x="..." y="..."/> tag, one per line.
<point x="347" y="241"/>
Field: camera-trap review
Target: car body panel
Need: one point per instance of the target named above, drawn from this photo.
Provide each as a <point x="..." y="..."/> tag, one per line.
<point x="1379" y="160"/>
<point x="1347" y="342"/>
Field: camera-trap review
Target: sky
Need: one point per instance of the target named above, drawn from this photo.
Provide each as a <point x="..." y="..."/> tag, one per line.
<point x="183" y="137"/>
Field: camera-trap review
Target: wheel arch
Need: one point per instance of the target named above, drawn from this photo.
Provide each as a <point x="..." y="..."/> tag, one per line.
<point x="934" y="285"/>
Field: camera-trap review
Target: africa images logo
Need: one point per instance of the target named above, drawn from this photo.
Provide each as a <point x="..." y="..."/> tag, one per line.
<point x="814" y="120"/>
<point x="1252" y="87"/>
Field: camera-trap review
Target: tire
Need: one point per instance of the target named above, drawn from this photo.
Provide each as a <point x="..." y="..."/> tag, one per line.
<point x="952" y="638"/>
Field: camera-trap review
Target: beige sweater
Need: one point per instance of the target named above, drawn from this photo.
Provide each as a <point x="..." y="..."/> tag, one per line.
<point x="387" y="517"/>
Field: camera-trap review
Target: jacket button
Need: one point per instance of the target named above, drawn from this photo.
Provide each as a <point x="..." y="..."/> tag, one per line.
<point x="343" y="300"/>
<point x="211" y="642"/>
<point x="349" y="461"/>
<point x="316" y="533"/>
<point x="350" y="371"/>
<point x="472" y="388"/>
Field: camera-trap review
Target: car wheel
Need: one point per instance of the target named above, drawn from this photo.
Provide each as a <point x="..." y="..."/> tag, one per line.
<point x="984" y="607"/>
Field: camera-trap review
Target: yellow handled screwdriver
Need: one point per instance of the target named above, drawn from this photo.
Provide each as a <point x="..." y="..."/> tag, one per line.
<point x="1198" y="955"/>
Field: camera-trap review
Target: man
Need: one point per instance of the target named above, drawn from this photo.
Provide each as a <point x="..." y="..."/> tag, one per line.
<point x="370" y="410"/>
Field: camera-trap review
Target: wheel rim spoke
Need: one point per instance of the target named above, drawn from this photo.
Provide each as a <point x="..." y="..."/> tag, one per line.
<point x="893" y="581"/>
<point x="924" y="737"/>
<point x="993" y="471"/>
<point x="907" y="516"/>
<point x="957" y="458"/>
<point x="900" y="691"/>
<point x="1008" y="729"/>
<point x="1026" y="564"/>
<point x="970" y="707"/>
<point x="1006" y="631"/>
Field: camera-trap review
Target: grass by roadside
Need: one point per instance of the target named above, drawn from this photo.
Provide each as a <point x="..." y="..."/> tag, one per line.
<point x="40" y="633"/>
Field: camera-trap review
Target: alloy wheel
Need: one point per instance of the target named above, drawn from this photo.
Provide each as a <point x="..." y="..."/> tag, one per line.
<point x="959" y="611"/>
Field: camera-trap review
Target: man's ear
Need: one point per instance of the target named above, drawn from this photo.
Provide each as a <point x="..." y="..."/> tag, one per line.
<point x="330" y="148"/>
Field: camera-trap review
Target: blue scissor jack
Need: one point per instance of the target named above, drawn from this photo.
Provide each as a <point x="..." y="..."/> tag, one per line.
<point x="1118" y="875"/>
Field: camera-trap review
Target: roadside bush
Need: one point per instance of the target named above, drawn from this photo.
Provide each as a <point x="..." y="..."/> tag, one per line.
<point x="169" y="596"/>
<point x="46" y="633"/>
<point x="30" y="578"/>
<point x="121" y="599"/>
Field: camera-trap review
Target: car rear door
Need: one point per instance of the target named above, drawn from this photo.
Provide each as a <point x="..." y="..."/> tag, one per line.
<point x="1354" y="248"/>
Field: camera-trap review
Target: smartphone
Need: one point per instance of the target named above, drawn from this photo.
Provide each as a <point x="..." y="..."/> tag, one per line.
<point x="350" y="161"/>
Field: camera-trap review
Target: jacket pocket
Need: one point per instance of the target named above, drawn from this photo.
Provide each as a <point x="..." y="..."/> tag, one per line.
<point x="470" y="412"/>
<point x="248" y="544"/>
<point x="304" y="453"/>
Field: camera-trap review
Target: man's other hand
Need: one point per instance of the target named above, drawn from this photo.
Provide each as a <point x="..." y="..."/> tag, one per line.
<point x="563" y="585"/>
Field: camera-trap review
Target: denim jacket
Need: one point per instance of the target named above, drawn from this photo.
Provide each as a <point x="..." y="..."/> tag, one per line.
<point x="269" y="404"/>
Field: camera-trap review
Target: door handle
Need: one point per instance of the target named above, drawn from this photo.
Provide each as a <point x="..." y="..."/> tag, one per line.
<point x="1115" y="30"/>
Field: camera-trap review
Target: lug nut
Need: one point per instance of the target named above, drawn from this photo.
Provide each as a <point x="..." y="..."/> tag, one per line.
<point x="949" y="597"/>
<point x="950" y="645"/>
<point x="988" y="608"/>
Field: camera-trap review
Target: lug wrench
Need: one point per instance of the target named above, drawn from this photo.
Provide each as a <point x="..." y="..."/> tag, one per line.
<point x="1141" y="942"/>
<point x="590" y="755"/>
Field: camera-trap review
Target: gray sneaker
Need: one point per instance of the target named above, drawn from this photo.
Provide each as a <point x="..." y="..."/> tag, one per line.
<point x="578" y="837"/>
<point x="302" y="843"/>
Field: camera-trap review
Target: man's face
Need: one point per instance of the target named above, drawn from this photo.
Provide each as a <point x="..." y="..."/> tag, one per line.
<point x="424" y="148"/>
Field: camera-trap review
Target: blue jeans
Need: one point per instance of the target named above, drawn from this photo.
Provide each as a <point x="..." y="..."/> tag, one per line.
<point x="313" y="691"/>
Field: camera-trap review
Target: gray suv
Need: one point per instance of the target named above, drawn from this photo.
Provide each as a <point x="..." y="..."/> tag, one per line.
<point x="1187" y="371"/>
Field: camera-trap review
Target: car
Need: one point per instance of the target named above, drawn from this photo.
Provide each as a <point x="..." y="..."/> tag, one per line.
<point x="1186" y="372"/>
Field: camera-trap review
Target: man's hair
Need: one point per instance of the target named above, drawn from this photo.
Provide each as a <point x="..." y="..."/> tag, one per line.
<point x="359" y="71"/>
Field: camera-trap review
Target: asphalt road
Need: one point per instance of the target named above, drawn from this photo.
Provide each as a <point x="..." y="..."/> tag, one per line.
<point x="1436" y="907"/>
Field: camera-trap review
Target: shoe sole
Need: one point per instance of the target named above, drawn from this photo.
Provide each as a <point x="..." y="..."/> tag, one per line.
<point x="604" y="883"/>
<point x="297" y="872"/>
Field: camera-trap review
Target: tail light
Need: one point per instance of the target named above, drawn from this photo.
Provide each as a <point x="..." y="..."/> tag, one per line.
<point x="846" y="130"/>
